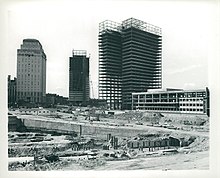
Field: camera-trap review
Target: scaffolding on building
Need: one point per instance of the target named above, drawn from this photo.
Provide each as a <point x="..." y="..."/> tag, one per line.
<point x="139" y="24"/>
<point x="129" y="60"/>
<point x="110" y="63"/>
<point x="108" y="25"/>
<point x="79" y="52"/>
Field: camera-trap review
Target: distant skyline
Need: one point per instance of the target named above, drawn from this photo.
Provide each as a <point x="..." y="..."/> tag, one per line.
<point x="62" y="27"/>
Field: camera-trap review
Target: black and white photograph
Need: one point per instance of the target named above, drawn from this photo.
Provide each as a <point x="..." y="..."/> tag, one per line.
<point x="116" y="86"/>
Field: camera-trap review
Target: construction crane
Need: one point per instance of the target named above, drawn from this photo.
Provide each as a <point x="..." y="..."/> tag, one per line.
<point x="91" y="85"/>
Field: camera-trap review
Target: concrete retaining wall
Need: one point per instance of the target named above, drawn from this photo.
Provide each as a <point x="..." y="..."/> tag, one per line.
<point x="50" y="126"/>
<point x="88" y="129"/>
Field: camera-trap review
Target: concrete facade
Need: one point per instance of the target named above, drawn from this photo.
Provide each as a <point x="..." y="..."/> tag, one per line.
<point x="177" y="101"/>
<point x="31" y="72"/>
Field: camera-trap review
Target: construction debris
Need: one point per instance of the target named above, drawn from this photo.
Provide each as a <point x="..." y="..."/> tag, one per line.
<point x="161" y="135"/>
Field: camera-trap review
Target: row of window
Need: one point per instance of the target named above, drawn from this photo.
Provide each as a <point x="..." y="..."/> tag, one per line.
<point x="194" y="99"/>
<point x="172" y="95"/>
<point x="29" y="94"/>
<point x="171" y="109"/>
<point x="198" y="104"/>
<point x="109" y="90"/>
<point x="111" y="94"/>
<point x="28" y="64"/>
<point x="27" y="82"/>
<point x="168" y="105"/>
<point x="32" y="89"/>
<point x="155" y="100"/>
<point x="37" y="111"/>
<point x="28" y="75"/>
<point x="28" y="70"/>
<point x="113" y="100"/>
<point x="28" y="87"/>
<point x="191" y="109"/>
<point x="32" y="99"/>
<point x="25" y="54"/>
<point x="166" y="100"/>
<point x="27" y="60"/>
<point x="113" y="88"/>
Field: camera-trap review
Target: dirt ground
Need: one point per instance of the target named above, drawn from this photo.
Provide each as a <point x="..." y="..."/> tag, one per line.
<point x="195" y="156"/>
<point x="198" y="160"/>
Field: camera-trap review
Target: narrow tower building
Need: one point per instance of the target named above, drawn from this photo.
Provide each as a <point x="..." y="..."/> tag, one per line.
<point x="79" y="78"/>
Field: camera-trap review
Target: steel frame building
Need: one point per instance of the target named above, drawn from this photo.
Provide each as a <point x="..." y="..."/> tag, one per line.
<point x="129" y="60"/>
<point x="141" y="58"/>
<point x="110" y="63"/>
<point x="176" y="101"/>
<point x="79" y="77"/>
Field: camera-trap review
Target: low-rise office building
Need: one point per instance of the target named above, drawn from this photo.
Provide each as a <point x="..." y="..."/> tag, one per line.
<point x="172" y="100"/>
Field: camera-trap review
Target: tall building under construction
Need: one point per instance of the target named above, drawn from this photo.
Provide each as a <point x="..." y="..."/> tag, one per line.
<point x="129" y="60"/>
<point x="110" y="63"/>
<point x="79" y="77"/>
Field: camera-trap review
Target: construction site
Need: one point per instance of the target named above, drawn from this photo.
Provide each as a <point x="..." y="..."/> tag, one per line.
<point x="129" y="60"/>
<point x="95" y="139"/>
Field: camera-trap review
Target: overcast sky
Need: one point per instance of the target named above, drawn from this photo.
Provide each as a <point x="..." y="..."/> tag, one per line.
<point x="62" y="27"/>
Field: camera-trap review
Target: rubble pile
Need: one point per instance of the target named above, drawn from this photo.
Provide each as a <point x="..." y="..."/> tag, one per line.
<point x="42" y="166"/>
<point x="91" y="164"/>
<point x="41" y="152"/>
<point x="20" y="151"/>
<point x="129" y="115"/>
<point x="192" y="120"/>
<point x="140" y="116"/>
<point x="199" y="144"/>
